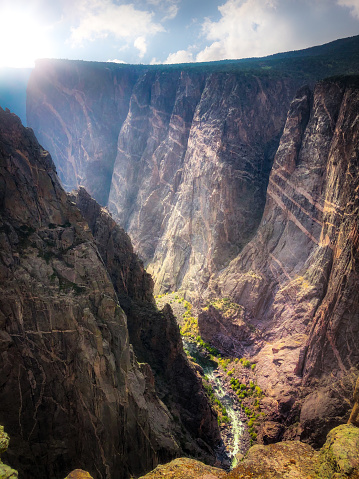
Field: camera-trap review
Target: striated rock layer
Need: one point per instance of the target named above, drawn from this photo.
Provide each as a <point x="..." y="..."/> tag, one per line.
<point x="85" y="104"/>
<point x="193" y="157"/>
<point x="297" y="280"/>
<point x="71" y="391"/>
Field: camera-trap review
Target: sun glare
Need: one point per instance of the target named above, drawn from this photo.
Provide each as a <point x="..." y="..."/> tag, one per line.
<point x="22" y="39"/>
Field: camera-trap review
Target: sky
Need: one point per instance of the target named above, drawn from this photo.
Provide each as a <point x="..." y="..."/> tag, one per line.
<point x="167" y="31"/>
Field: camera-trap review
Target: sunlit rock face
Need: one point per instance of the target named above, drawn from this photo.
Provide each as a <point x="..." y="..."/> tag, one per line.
<point x="181" y="157"/>
<point x="200" y="189"/>
<point x="71" y="391"/>
<point x="297" y="278"/>
<point x="338" y="458"/>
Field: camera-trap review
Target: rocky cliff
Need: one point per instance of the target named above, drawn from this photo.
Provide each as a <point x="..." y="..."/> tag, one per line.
<point x="181" y="154"/>
<point x="197" y="184"/>
<point x="297" y="279"/>
<point x="71" y="390"/>
<point x="238" y="179"/>
<point x="86" y="104"/>
<point x="154" y="334"/>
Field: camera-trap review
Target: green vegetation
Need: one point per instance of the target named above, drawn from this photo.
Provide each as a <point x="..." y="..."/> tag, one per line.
<point x="242" y="390"/>
<point x="225" y="306"/>
<point x="249" y="395"/>
<point x="245" y="362"/>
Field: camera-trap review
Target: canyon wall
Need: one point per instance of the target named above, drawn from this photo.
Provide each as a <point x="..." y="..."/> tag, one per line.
<point x="85" y="104"/>
<point x="297" y="278"/>
<point x="71" y="390"/>
<point x="153" y="334"/>
<point x="190" y="151"/>
<point x="190" y="190"/>
<point x="180" y="154"/>
<point x="240" y="180"/>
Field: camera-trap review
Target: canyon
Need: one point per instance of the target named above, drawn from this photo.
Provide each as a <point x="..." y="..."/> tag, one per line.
<point x="233" y="179"/>
<point x="237" y="184"/>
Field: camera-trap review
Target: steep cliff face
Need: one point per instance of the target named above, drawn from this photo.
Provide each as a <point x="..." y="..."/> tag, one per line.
<point x="152" y="145"/>
<point x="71" y="391"/>
<point x="154" y="334"/>
<point x="191" y="179"/>
<point x="297" y="279"/>
<point x="180" y="154"/>
<point x="222" y="180"/>
<point x="193" y="158"/>
<point x="85" y="104"/>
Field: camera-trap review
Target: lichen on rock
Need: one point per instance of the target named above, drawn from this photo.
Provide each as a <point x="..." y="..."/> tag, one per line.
<point x="79" y="474"/>
<point x="340" y="453"/>
<point x="354" y="416"/>
<point x="6" y="472"/>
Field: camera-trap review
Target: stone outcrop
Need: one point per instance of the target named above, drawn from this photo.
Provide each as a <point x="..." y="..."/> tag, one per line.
<point x="223" y="324"/>
<point x="338" y="459"/>
<point x="339" y="456"/>
<point x="184" y="468"/>
<point x="154" y="334"/>
<point x="79" y="474"/>
<point x="71" y="391"/>
<point x="354" y="416"/>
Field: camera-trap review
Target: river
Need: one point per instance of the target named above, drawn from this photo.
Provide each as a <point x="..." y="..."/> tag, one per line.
<point x="233" y="440"/>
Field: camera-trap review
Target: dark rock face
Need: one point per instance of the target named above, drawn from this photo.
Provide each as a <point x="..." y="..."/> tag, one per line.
<point x="297" y="278"/>
<point x="219" y="184"/>
<point x="227" y="331"/>
<point x="71" y="391"/>
<point x="154" y="335"/>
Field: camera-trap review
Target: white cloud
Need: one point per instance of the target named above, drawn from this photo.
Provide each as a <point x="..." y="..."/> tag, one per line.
<point x="353" y="5"/>
<point x="182" y="56"/>
<point x="247" y="28"/>
<point x="256" y="28"/>
<point x="102" y="18"/>
<point x="171" y="13"/>
<point x="141" y="45"/>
